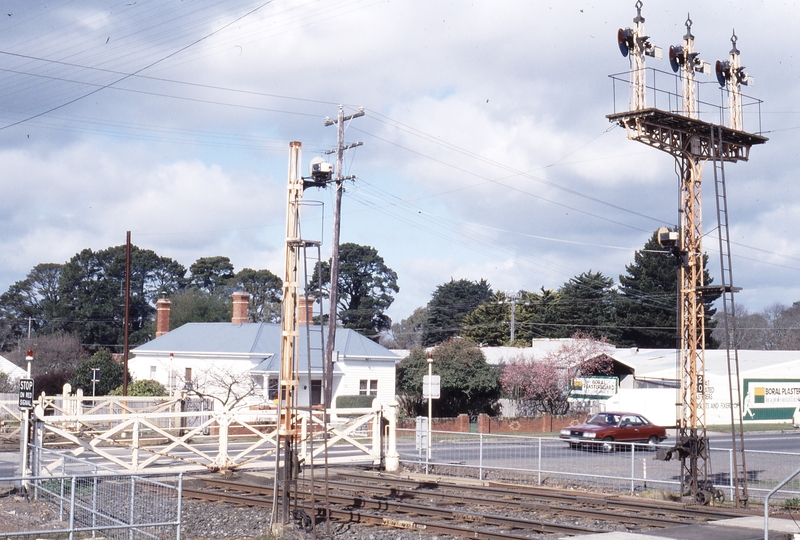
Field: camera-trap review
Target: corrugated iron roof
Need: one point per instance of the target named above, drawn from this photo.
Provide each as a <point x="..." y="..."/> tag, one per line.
<point x="260" y="340"/>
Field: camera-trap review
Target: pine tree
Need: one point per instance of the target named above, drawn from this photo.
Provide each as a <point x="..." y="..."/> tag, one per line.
<point x="647" y="300"/>
<point x="538" y="315"/>
<point x="489" y="324"/>
<point x="588" y="305"/>
<point x="450" y="303"/>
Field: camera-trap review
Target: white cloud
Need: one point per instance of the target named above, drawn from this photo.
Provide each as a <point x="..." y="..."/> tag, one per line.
<point x="460" y="99"/>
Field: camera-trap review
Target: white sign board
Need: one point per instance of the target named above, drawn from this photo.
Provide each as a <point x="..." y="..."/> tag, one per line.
<point x="430" y="386"/>
<point x="421" y="434"/>
<point x="26" y="393"/>
<point x="594" y="387"/>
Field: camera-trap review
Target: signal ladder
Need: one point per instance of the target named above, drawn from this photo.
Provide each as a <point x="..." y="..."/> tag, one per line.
<point x="729" y="319"/>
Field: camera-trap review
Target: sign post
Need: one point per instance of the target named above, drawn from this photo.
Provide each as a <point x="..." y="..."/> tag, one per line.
<point x="95" y="378"/>
<point x="25" y="404"/>
<point x="430" y="390"/>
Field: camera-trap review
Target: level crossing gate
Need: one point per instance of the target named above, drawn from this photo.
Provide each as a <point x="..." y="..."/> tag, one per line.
<point x="138" y="434"/>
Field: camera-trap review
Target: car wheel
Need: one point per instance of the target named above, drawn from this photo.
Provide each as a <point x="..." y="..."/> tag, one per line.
<point x="608" y="445"/>
<point x="652" y="442"/>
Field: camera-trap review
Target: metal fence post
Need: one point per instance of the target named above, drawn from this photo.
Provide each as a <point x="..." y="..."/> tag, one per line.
<point x="633" y="468"/>
<point x="428" y="451"/>
<point x="133" y="501"/>
<point x="731" y="475"/>
<point x="94" y="502"/>
<point x="539" y="462"/>
<point x="179" y="507"/>
<point x="72" y="509"/>
<point x="480" y="456"/>
<point x="61" y="490"/>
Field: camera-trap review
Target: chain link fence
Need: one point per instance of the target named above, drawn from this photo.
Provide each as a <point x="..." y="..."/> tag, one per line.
<point x="552" y="461"/>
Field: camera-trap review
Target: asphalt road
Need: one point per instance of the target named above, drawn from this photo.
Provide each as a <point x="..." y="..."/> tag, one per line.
<point x="783" y="441"/>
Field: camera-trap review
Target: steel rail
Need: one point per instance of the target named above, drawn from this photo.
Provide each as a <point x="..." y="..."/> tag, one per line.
<point x="357" y="503"/>
<point x="515" y="492"/>
<point x="480" y="499"/>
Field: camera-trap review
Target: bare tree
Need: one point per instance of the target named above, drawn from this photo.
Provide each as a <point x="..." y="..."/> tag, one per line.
<point x="53" y="353"/>
<point x="228" y="386"/>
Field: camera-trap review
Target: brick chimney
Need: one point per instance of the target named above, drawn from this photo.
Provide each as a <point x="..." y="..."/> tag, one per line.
<point x="305" y="310"/>
<point x="162" y="315"/>
<point x="241" y="301"/>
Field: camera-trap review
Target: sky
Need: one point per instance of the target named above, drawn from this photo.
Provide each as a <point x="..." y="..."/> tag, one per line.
<point x="486" y="150"/>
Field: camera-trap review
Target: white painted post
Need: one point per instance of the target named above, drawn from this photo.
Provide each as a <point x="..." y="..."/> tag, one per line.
<point x="480" y="456"/>
<point x="539" y="463"/>
<point x="392" y="457"/>
<point x="26" y="422"/>
<point x="430" y="408"/>
<point x="224" y="421"/>
<point x="135" y="446"/>
<point x="376" y="432"/>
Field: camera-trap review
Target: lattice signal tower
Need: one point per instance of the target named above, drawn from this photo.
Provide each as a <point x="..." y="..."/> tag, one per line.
<point x="692" y="142"/>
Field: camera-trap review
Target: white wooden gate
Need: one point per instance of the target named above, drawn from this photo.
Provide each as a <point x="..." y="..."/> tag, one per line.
<point x="136" y="434"/>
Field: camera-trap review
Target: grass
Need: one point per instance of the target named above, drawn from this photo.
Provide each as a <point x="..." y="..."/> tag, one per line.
<point x="725" y="428"/>
<point x="792" y="503"/>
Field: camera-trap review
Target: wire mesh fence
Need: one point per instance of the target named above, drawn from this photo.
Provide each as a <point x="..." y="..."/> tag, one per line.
<point x="113" y="506"/>
<point x="552" y="461"/>
<point x="93" y="500"/>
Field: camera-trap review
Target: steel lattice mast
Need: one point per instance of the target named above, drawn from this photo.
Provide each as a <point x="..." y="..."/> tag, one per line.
<point x="691" y="142"/>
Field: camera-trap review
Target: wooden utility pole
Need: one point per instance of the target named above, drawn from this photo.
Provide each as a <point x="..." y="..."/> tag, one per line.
<point x="337" y="210"/>
<point x="127" y="321"/>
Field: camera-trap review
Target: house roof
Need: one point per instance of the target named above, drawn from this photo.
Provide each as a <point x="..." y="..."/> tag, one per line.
<point x="11" y="369"/>
<point x="260" y="342"/>
<point x="662" y="363"/>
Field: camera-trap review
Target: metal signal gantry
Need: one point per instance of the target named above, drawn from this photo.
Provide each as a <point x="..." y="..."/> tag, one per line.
<point x="691" y="142"/>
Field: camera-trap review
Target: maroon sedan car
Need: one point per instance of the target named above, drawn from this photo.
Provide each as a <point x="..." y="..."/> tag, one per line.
<point x="604" y="428"/>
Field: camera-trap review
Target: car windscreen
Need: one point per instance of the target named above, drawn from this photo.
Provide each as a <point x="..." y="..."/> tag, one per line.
<point x="605" y="419"/>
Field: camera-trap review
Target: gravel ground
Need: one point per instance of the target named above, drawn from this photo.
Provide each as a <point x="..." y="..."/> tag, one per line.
<point x="204" y="521"/>
<point x="16" y="514"/>
<point x="211" y="521"/>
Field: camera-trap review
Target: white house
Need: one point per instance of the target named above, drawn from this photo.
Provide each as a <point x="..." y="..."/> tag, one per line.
<point x="11" y="369"/>
<point x="212" y="354"/>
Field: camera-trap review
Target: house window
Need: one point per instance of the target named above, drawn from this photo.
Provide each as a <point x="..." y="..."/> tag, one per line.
<point x="272" y="389"/>
<point x="316" y="392"/>
<point x="187" y="378"/>
<point x="368" y="387"/>
<point x="153" y="372"/>
<point x="258" y="381"/>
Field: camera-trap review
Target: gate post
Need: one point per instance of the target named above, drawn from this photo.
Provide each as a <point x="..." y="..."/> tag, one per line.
<point x="392" y="457"/>
<point x="38" y="442"/>
<point x="135" y="445"/>
<point x="377" y="447"/>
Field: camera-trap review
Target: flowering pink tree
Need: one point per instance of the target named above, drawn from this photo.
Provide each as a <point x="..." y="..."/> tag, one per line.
<point x="543" y="386"/>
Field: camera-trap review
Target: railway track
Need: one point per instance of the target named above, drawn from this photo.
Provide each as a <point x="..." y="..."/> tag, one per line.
<point x="490" y="512"/>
